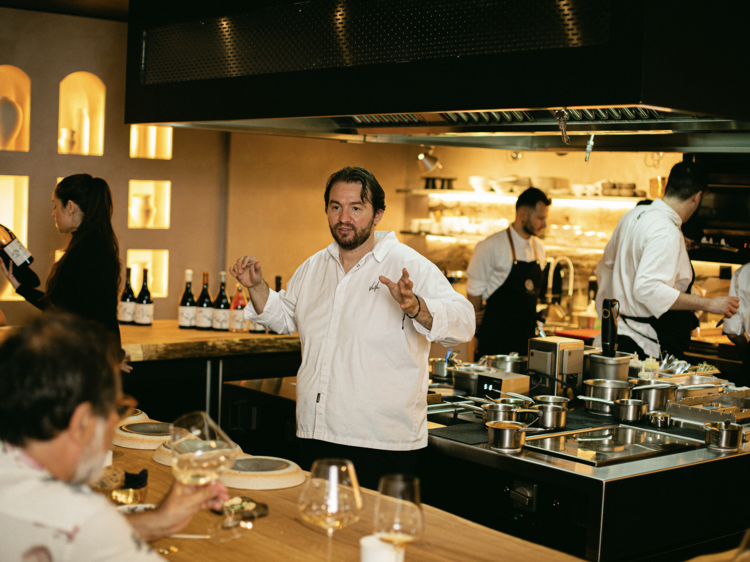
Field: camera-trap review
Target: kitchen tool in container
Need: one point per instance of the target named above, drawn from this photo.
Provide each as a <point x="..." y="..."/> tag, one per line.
<point x="439" y="367"/>
<point x="606" y="390"/>
<point x="625" y="409"/>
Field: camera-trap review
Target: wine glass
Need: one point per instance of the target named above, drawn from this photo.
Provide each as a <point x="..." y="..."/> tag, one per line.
<point x="331" y="497"/>
<point x="201" y="453"/>
<point x="398" y="511"/>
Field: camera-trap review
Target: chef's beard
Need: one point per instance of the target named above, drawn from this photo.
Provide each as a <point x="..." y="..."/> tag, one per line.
<point x="94" y="456"/>
<point x="357" y="237"/>
<point x="528" y="228"/>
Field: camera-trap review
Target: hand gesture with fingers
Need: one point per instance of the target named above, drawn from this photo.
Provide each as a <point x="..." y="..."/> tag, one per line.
<point x="402" y="292"/>
<point x="247" y="271"/>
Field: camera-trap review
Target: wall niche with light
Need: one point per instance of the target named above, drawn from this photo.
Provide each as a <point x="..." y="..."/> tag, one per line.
<point x="157" y="263"/>
<point x="81" y="118"/>
<point x="14" y="214"/>
<point x="151" y="141"/>
<point x="149" y="204"/>
<point x="15" y="108"/>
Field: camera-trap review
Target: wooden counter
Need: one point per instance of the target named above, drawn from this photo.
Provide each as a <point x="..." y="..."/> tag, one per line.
<point x="283" y="536"/>
<point x="165" y="340"/>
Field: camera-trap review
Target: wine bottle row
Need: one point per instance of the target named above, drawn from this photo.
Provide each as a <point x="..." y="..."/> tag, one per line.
<point x="136" y="310"/>
<point x="214" y="314"/>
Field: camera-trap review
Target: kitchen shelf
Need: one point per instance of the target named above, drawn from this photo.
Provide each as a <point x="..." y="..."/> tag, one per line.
<point x="15" y="86"/>
<point x="80" y="127"/>
<point x="149" y="204"/>
<point x="151" y="141"/>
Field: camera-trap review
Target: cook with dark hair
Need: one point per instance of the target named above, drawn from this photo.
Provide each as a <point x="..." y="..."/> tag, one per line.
<point x="505" y="272"/>
<point x="60" y="381"/>
<point x="85" y="281"/>
<point x="647" y="269"/>
<point x="366" y="309"/>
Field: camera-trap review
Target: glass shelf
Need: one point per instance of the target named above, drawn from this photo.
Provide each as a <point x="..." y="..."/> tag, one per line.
<point x="149" y="204"/>
<point x="14" y="213"/>
<point x="15" y="108"/>
<point x="80" y="127"/>
<point x="157" y="263"/>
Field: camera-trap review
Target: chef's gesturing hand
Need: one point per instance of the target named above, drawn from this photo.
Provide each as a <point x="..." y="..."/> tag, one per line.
<point x="403" y="292"/>
<point x="247" y="271"/>
<point x="727" y="306"/>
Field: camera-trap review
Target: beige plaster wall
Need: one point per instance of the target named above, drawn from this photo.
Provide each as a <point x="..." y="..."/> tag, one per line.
<point x="48" y="47"/>
<point x="276" y="210"/>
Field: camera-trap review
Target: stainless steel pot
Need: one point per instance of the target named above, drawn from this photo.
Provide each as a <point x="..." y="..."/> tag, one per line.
<point x="512" y="363"/>
<point x="515" y="401"/>
<point x="551" y="416"/>
<point x="625" y="409"/>
<point x="438" y="367"/>
<point x="494" y="412"/>
<point x="659" y="419"/>
<point x="549" y="399"/>
<point x="606" y="390"/>
<point x="727" y="436"/>
<point x="656" y="394"/>
<point x="508" y="436"/>
<point x="609" y="368"/>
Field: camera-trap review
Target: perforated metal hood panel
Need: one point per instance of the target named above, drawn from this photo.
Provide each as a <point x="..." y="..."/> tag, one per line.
<point x="462" y="72"/>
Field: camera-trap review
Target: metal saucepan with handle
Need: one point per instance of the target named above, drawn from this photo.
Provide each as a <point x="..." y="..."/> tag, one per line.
<point x="724" y="435"/>
<point x="507" y="435"/>
<point x="551" y="416"/>
<point x="655" y="394"/>
<point x="517" y="401"/>
<point x="605" y="389"/>
<point x="549" y="399"/>
<point x="624" y="409"/>
<point x="512" y="362"/>
<point x="518" y="397"/>
<point x="494" y="412"/>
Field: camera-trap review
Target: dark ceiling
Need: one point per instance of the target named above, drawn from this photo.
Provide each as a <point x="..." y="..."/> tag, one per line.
<point x="103" y="9"/>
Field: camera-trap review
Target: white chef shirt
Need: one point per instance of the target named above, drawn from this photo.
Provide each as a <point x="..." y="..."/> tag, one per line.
<point x="492" y="260"/>
<point x="42" y="518"/>
<point x="740" y="287"/>
<point x="645" y="267"/>
<point x="363" y="379"/>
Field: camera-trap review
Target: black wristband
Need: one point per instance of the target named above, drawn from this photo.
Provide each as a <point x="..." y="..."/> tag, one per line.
<point x="419" y="302"/>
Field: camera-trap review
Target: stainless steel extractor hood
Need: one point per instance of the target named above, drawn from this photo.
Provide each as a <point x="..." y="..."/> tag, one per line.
<point x="652" y="75"/>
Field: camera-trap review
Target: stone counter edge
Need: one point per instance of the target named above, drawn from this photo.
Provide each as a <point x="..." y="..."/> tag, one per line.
<point x="212" y="348"/>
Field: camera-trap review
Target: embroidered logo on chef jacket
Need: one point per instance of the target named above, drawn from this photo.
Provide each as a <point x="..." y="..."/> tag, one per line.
<point x="529" y="285"/>
<point x="375" y="286"/>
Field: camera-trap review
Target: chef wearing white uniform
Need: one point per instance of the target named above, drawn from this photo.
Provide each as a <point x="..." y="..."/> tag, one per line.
<point x="737" y="327"/>
<point x="646" y="268"/>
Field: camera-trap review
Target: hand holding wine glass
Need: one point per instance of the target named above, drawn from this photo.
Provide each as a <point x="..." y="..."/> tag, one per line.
<point x="201" y="453"/>
<point x="398" y="511"/>
<point x="331" y="498"/>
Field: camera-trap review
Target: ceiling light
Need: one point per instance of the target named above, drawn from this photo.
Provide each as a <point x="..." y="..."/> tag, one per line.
<point x="429" y="161"/>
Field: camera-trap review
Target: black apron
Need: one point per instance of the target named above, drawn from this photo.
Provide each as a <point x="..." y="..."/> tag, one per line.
<point x="672" y="328"/>
<point x="510" y="315"/>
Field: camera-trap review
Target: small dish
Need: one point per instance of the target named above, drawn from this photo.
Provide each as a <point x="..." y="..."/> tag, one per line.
<point x="137" y="508"/>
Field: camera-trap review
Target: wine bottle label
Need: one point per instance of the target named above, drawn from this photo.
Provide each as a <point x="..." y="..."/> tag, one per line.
<point x="204" y="317"/>
<point x="144" y="313"/>
<point x="126" y="312"/>
<point x="237" y="322"/>
<point x="221" y="319"/>
<point x="256" y="328"/>
<point x="187" y="316"/>
<point x="17" y="252"/>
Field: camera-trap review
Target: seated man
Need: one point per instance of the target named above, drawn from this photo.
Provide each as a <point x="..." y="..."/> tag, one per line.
<point x="59" y="379"/>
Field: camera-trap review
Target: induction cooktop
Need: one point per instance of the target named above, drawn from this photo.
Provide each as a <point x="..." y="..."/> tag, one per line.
<point x="607" y="445"/>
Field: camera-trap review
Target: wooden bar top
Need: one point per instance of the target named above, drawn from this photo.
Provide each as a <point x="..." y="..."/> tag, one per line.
<point x="283" y="536"/>
<point x="165" y="340"/>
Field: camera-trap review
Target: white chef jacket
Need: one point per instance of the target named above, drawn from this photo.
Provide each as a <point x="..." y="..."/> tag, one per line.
<point x="42" y="518"/>
<point x="645" y="267"/>
<point x="363" y="379"/>
<point x="740" y="287"/>
<point x="492" y="260"/>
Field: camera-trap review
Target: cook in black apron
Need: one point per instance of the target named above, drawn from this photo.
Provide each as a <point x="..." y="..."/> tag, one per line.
<point x="510" y="315"/>
<point x="672" y="328"/>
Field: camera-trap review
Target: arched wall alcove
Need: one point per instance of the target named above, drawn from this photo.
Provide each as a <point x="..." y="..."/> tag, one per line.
<point x="15" y="108"/>
<point x="81" y="120"/>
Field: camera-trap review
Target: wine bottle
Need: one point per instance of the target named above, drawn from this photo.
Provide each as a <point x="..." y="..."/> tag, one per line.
<point x="237" y="322"/>
<point x="11" y="249"/>
<point x="126" y="308"/>
<point x="221" y="305"/>
<point x="187" y="308"/>
<point x="144" y="306"/>
<point x="204" y="314"/>
<point x="278" y="283"/>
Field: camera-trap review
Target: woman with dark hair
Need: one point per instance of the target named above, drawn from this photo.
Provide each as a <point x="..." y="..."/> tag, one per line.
<point x="85" y="281"/>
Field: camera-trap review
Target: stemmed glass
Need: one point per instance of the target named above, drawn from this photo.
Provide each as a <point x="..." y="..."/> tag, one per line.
<point x="331" y="498"/>
<point x="201" y="453"/>
<point x="398" y="511"/>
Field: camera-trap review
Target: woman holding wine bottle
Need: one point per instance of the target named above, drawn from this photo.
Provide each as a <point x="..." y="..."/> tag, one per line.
<point x="86" y="279"/>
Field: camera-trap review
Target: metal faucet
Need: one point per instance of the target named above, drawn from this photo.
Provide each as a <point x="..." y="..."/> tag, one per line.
<point x="552" y="267"/>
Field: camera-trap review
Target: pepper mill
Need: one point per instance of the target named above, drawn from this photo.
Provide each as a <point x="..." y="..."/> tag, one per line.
<point x="609" y="327"/>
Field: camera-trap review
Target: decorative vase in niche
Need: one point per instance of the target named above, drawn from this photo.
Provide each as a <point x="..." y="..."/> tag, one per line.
<point x="11" y="119"/>
<point x="142" y="210"/>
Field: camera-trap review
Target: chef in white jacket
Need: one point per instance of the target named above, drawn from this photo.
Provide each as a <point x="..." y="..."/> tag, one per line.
<point x="647" y="269"/>
<point x="737" y="327"/>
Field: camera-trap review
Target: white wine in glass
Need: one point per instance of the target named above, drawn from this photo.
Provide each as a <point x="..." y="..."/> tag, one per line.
<point x="201" y="453"/>
<point x="398" y="511"/>
<point x="331" y="498"/>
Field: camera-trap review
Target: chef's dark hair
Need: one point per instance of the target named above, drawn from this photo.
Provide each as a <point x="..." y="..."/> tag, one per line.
<point x="531" y="197"/>
<point x="685" y="180"/>
<point x="371" y="191"/>
<point x="50" y="367"/>
<point x="94" y="198"/>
